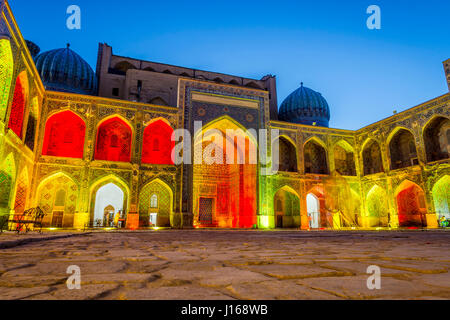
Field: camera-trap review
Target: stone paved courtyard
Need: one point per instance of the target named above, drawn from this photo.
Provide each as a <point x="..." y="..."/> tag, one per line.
<point x="215" y="264"/>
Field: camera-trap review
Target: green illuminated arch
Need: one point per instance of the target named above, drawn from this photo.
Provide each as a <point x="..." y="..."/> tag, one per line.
<point x="7" y="177"/>
<point x="377" y="208"/>
<point x="156" y="198"/>
<point x="6" y="73"/>
<point x="441" y="197"/>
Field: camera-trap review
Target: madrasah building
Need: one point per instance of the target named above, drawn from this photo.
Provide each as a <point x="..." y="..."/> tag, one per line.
<point x="92" y="148"/>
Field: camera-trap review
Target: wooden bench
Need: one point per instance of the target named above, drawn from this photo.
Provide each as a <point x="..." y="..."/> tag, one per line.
<point x="30" y="219"/>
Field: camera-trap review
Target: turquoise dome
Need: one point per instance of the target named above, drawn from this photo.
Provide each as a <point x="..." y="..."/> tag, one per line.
<point x="64" y="70"/>
<point x="305" y="106"/>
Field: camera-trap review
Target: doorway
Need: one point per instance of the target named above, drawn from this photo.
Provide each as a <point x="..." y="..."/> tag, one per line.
<point x="313" y="208"/>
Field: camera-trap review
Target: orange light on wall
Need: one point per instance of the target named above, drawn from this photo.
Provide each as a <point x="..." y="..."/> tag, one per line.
<point x="64" y="135"/>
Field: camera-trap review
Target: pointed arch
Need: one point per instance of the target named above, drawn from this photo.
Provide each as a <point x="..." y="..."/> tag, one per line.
<point x="372" y="158"/>
<point x="111" y="178"/>
<point x="156" y="198"/>
<point x="109" y="202"/>
<point x="157" y="143"/>
<point x="316" y="209"/>
<point x="411" y="205"/>
<point x="227" y="122"/>
<point x="55" y="175"/>
<point x="124" y="66"/>
<point x="234" y="82"/>
<point x="20" y="100"/>
<point x="377" y="208"/>
<point x="402" y="148"/>
<point x="345" y="145"/>
<point x="344" y="158"/>
<point x="6" y="74"/>
<point x="57" y="196"/>
<point x="315" y="156"/>
<point x="286" y="208"/>
<point x="229" y="199"/>
<point x="7" y="178"/>
<point x="64" y="135"/>
<point x="103" y="181"/>
<point x="436" y="135"/>
<point x="441" y="197"/>
<point x="240" y="141"/>
<point x="114" y="140"/>
<point x="284" y="154"/>
<point x="158" y="101"/>
<point x="317" y="140"/>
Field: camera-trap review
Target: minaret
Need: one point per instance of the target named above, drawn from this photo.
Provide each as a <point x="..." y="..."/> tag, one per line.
<point x="447" y="71"/>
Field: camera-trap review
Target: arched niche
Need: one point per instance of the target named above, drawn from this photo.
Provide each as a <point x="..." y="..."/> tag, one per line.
<point x="64" y="135"/>
<point x="284" y="154"/>
<point x="286" y="208"/>
<point x="18" y="105"/>
<point x="6" y="74"/>
<point x="315" y="157"/>
<point x="372" y="159"/>
<point x="437" y="139"/>
<point x="402" y="150"/>
<point x="344" y="159"/>
<point x="157" y="143"/>
<point x="114" y="139"/>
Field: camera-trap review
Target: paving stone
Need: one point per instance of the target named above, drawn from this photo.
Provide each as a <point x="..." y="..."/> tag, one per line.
<point x="205" y="264"/>
<point x="277" y="290"/>
<point x="87" y="292"/>
<point x="355" y="287"/>
<point x="295" y="271"/>
<point x="172" y="293"/>
<point x="23" y="293"/>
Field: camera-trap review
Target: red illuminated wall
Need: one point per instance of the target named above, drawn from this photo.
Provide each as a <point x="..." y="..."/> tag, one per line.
<point x="157" y="143"/>
<point x="235" y="196"/>
<point x="247" y="194"/>
<point x="64" y="136"/>
<point x="411" y="207"/>
<point x="114" y="141"/>
<point x="18" y="108"/>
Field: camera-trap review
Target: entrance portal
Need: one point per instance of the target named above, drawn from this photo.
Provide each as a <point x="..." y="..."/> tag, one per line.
<point x="109" y="201"/>
<point x="225" y="176"/>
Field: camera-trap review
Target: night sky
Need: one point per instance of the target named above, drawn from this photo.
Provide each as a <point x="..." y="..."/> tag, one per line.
<point x="364" y="74"/>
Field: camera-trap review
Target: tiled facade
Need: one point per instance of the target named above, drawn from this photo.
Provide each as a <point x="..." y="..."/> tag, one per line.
<point x="393" y="173"/>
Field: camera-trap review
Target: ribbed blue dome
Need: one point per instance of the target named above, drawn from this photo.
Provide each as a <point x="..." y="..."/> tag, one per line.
<point x="305" y="106"/>
<point x="64" y="70"/>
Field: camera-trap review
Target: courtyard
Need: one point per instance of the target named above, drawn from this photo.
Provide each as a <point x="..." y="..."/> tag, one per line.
<point x="226" y="264"/>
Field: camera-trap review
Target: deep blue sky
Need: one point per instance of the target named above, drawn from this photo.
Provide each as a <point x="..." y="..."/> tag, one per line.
<point x="363" y="74"/>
